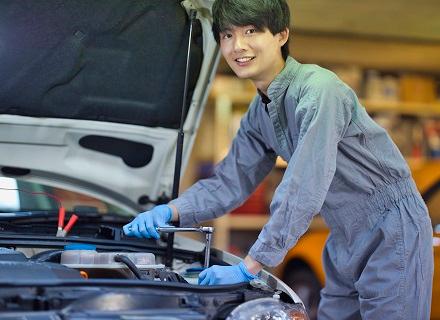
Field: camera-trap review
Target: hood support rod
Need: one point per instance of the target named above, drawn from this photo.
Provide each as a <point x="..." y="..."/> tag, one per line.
<point x="180" y="139"/>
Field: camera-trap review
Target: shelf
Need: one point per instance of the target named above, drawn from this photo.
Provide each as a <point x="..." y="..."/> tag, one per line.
<point x="418" y="109"/>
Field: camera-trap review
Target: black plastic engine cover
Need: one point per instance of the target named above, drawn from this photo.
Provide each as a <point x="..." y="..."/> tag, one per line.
<point x="30" y="270"/>
<point x="11" y="255"/>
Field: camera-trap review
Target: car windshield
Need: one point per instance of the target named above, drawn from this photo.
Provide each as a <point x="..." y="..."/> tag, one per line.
<point x="19" y="195"/>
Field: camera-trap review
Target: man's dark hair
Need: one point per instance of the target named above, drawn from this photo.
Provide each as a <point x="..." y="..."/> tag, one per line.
<point x="271" y="14"/>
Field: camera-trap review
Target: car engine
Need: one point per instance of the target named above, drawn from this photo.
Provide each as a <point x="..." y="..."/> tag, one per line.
<point x="84" y="264"/>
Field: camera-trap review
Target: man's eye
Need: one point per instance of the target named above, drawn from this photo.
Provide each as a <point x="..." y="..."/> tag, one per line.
<point x="250" y="31"/>
<point x="226" y="36"/>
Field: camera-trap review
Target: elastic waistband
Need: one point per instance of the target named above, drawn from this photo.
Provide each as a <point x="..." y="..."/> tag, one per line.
<point x="368" y="209"/>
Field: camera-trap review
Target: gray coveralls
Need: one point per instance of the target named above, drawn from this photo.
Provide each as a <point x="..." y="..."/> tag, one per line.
<point x="378" y="258"/>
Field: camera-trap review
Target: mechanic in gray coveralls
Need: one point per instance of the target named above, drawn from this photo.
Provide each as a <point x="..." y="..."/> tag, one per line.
<point x="378" y="258"/>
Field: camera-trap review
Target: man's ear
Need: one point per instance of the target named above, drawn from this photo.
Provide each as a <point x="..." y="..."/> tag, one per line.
<point x="283" y="36"/>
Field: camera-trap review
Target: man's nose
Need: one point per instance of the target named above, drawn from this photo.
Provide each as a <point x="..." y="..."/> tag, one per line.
<point x="239" y="43"/>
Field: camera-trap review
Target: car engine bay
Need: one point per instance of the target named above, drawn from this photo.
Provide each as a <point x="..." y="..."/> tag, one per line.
<point x="96" y="272"/>
<point x="79" y="281"/>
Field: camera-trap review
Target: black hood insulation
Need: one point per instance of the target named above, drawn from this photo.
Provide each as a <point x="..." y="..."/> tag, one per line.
<point x="104" y="60"/>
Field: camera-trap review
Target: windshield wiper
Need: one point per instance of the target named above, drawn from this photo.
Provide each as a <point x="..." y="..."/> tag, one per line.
<point x="88" y="216"/>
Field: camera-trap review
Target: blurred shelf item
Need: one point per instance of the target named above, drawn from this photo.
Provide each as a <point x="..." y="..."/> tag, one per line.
<point x="425" y="171"/>
<point x="416" y="163"/>
<point x="416" y="87"/>
<point x="418" y="109"/>
<point x="232" y="89"/>
<point x="236" y="222"/>
<point x="255" y="203"/>
<point x="247" y="221"/>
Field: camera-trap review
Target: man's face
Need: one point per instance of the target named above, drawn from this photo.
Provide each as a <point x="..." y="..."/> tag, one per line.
<point x="253" y="54"/>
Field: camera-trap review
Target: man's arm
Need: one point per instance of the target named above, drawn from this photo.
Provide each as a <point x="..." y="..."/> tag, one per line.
<point x="174" y="214"/>
<point x="252" y="265"/>
<point x="249" y="160"/>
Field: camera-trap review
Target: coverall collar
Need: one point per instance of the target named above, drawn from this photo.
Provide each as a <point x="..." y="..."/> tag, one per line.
<point x="279" y="85"/>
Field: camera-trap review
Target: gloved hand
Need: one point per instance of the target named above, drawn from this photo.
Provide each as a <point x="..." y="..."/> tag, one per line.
<point x="226" y="275"/>
<point x="144" y="225"/>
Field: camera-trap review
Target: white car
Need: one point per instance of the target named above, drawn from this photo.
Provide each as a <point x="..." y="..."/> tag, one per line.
<point x="92" y="98"/>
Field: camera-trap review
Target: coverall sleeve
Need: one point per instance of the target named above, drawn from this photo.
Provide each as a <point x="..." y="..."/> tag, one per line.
<point x="249" y="160"/>
<point x="322" y="116"/>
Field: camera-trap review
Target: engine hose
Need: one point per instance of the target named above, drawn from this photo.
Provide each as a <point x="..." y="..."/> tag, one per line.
<point x="126" y="260"/>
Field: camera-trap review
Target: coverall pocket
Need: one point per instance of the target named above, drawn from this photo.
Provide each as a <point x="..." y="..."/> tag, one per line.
<point x="381" y="284"/>
<point x="425" y="238"/>
<point x="425" y="265"/>
<point x="425" y="249"/>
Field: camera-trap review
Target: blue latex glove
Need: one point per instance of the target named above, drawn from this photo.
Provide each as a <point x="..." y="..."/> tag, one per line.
<point x="144" y="225"/>
<point x="226" y="275"/>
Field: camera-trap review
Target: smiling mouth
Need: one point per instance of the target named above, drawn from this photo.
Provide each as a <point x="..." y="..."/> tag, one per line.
<point x="244" y="60"/>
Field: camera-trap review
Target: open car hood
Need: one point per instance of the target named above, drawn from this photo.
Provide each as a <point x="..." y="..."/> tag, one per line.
<point x="92" y="93"/>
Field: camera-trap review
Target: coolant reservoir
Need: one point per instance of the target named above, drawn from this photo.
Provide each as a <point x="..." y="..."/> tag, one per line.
<point x="102" y="264"/>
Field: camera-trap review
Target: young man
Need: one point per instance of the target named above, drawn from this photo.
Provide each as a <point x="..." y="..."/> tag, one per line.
<point x="378" y="258"/>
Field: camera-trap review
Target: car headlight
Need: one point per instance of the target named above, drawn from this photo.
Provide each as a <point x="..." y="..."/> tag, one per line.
<point x="268" y="309"/>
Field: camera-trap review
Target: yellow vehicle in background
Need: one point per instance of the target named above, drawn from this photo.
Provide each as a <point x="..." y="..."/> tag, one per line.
<point x="302" y="268"/>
